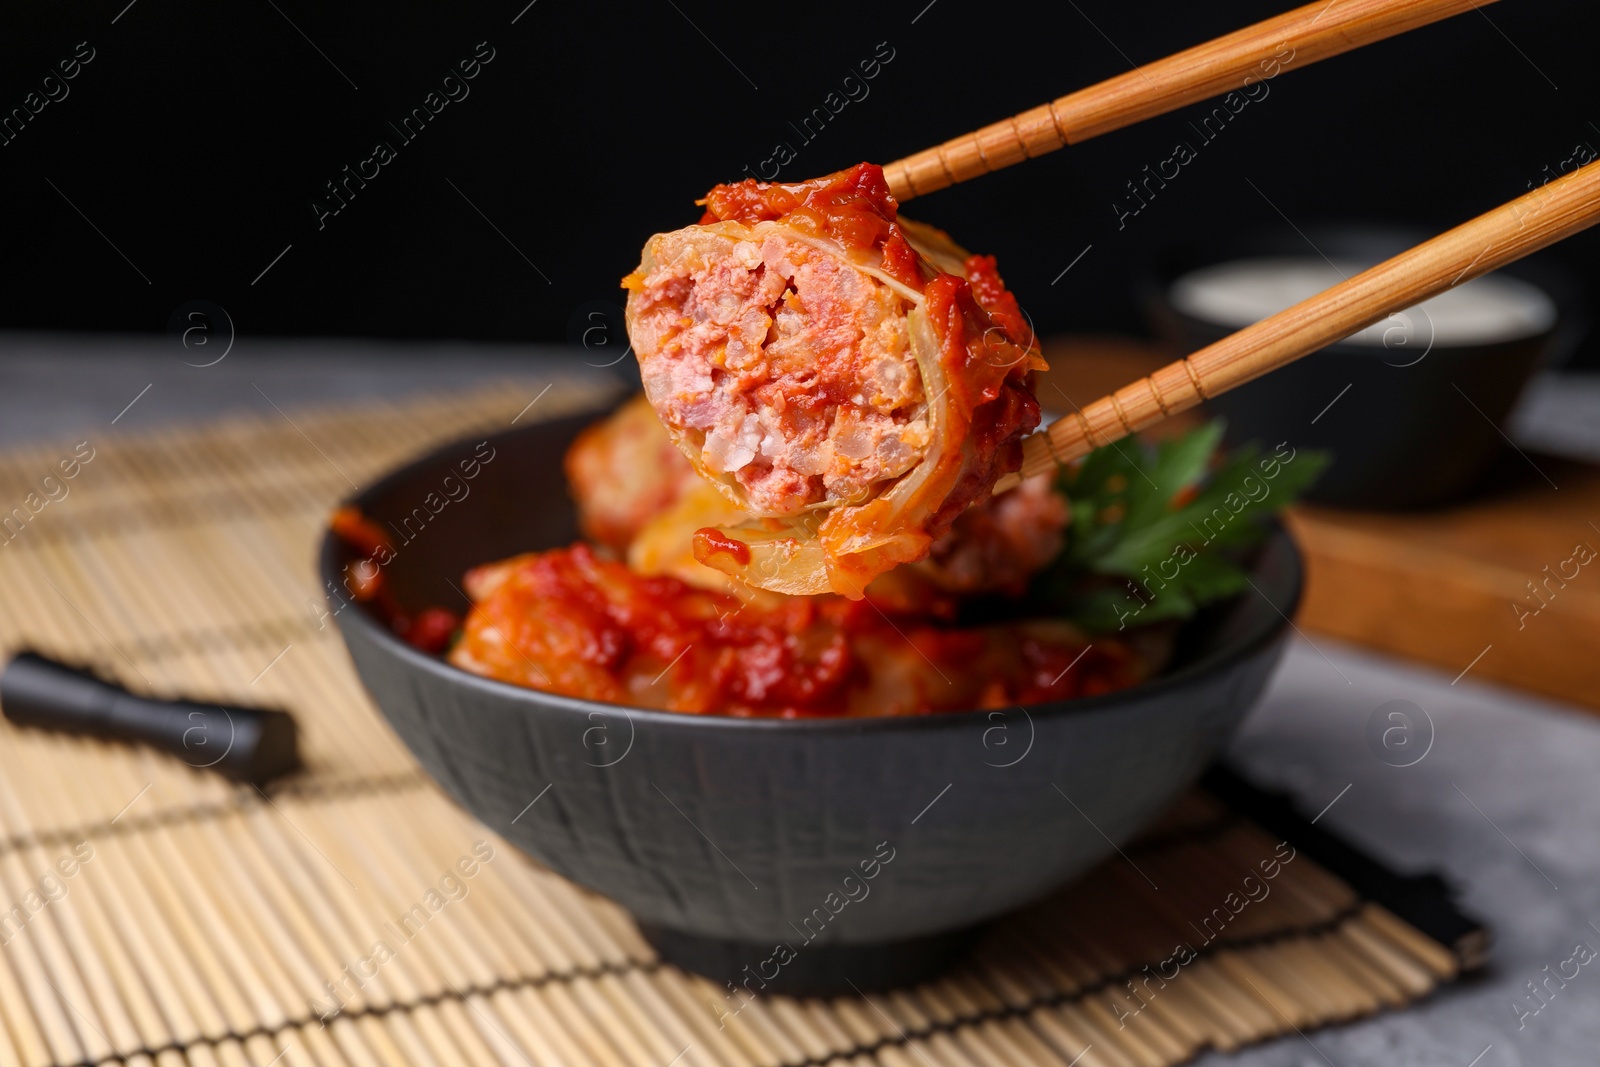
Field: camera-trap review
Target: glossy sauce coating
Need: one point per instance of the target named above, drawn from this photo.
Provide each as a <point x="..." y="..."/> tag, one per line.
<point x="571" y="621"/>
<point x="853" y="206"/>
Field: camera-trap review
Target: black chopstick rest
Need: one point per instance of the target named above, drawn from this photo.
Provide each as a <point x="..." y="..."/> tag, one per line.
<point x="246" y="744"/>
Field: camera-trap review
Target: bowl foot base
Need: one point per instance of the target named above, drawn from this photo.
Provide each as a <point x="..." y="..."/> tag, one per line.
<point x="804" y="969"/>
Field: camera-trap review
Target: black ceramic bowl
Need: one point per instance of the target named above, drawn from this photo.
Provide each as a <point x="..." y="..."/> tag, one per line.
<point x="870" y="847"/>
<point x="1413" y="421"/>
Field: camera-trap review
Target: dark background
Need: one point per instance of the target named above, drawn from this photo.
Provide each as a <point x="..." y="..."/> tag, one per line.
<point x="199" y="135"/>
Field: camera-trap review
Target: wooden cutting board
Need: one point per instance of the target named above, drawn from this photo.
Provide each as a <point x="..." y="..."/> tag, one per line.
<point x="1495" y="588"/>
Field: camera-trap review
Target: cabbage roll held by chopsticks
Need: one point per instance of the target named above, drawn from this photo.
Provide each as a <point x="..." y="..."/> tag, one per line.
<point x="849" y="379"/>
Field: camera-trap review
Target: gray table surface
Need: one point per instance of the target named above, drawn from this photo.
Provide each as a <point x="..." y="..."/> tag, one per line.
<point x="1504" y="803"/>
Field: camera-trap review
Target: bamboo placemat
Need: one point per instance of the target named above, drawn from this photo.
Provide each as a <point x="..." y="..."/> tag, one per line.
<point x="152" y="913"/>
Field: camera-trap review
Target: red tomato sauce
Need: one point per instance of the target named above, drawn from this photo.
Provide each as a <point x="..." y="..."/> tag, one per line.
<point x="430" y="629"/>
<point x="711" y="541"/>
<point x="571" y="621"/>
<point x="853" y="206"/>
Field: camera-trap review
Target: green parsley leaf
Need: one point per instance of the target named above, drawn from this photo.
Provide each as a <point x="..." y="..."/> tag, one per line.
<point x="1158" y="530"/>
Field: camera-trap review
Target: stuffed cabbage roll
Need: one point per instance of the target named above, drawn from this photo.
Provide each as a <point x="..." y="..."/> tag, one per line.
<point x="637" y="495"/>
<point x="849" y="380"/>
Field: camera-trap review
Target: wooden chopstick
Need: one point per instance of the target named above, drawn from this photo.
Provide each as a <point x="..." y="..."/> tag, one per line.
<point x="1237" y="60"/>
<point x="1513" y="230"/>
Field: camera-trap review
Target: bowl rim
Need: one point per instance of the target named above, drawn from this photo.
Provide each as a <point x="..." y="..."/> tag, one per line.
<point x="355" y="614"/>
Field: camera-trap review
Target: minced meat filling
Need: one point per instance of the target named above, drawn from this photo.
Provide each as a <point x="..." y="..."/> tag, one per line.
<point x="794" y="365"/>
